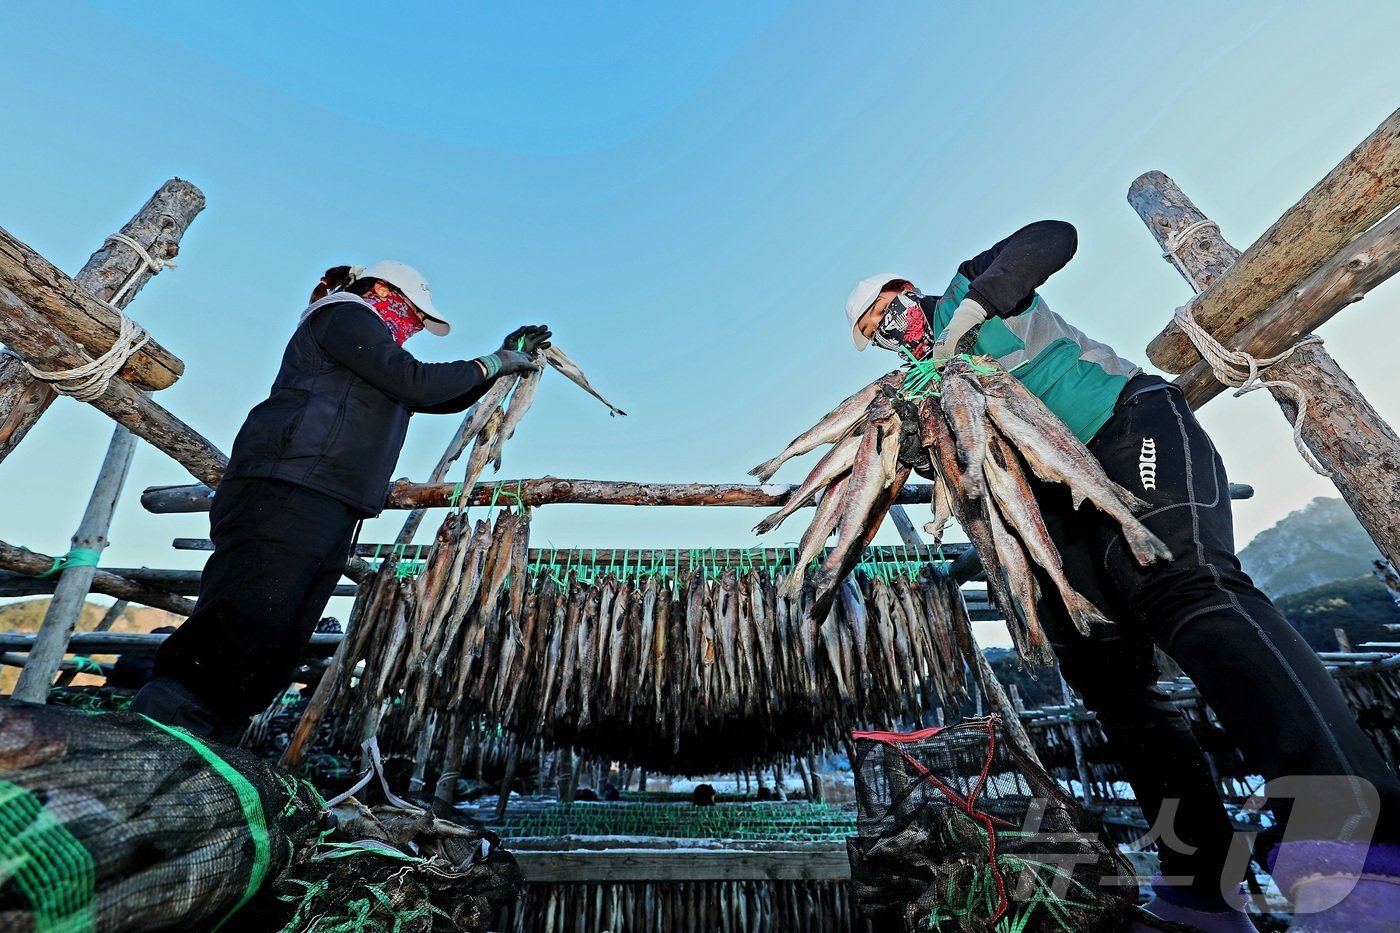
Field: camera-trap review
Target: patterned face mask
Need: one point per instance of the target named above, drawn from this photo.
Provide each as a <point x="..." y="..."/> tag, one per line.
<point x="904" y="326"/>
<point x="398" y="315"/>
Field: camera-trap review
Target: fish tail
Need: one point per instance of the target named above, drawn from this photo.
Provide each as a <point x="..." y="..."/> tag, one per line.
<point x="765" y="470"/>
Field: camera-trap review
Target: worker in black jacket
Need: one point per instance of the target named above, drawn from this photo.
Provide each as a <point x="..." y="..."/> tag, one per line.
<point x="1265" y="684"/>
<point x="308" y="464"/>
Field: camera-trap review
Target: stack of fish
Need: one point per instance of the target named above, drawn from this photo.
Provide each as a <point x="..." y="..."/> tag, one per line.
<point x="688" y="672"/>
<point x="986" y="435"/>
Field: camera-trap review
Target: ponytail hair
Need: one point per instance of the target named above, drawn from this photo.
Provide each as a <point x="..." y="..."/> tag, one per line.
<point x="339" y="278"/>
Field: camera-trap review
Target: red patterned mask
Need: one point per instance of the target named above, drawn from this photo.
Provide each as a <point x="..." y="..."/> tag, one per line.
<point x="398" y="315"/>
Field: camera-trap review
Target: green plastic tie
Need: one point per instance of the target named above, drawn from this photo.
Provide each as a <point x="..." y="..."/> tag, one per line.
<point x="252" y="812"/>
<point x="77" y="557"/>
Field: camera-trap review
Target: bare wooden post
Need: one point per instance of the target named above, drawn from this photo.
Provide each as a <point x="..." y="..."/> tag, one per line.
<point x="1346" y="435"/>
<point x="118" y="271"/>
<point x="114" y="612"/>
<point x="1343" y="641"/>
<point x="1075" y="740"/>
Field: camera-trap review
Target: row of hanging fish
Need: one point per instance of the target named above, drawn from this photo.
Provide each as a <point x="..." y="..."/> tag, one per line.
<point x="986" y="436"/>
<point x="691" y="672"/>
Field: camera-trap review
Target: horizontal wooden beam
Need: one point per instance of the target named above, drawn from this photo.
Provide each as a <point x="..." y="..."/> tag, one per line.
<point x="1344" y="280"/>
<point x="79" y="315"/>
<point x="12" y="659"/>
<point x="89" y="643"/>
<point x="178" y="582"/>
<point x="548" y="490"/>
<point x="27" y="333"/>
<point x="1359" y="191"/>
<point x="812" y="862"/>
<point x="33" y="563"/>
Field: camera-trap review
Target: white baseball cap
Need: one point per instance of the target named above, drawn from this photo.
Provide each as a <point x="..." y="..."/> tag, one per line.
<point x="414" y="287"/>
<point x="862" y="297"/>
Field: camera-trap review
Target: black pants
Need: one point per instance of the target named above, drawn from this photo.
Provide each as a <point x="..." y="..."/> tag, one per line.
<point x="279" y="550"/>
<point x="1273" y="696"/>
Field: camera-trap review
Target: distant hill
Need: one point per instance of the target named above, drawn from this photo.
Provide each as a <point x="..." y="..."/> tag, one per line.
<point x="1361" y="606"/>
<point x="1317" y="544"/>
<point x="28" y="615"/>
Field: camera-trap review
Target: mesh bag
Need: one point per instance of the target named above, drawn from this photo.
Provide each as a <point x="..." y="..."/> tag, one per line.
<point x="960" y="831"/>
<point x="112" y="822"/>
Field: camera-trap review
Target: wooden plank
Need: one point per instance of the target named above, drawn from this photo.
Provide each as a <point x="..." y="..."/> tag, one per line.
<point x="1344" y="280"/>
<point x="23" y="400"/>
<point x="88" y="643"/>
<point x="826" y="862"/>
<point x="66" y="306"/>
<point x="1360" y="190"/>
<point x="28" y="333"/>
<point x="1343" y="430"/>
<point x="178" y="582"/>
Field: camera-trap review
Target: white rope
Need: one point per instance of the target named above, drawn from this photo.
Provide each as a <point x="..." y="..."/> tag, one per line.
<point x="1176" y="239"/>
<point x="89" y="381"/>
<point x="152" y="263"/>
<point x="1243" y="372"/>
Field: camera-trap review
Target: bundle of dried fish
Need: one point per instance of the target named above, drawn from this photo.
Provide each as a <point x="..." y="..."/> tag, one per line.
<point x="985" y="435"/>
<point x="711" y="667"/>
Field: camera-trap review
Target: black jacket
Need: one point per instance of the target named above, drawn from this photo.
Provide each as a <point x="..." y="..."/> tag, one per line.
<point x="1005" y="277"/>
<point x="340" y="405"/>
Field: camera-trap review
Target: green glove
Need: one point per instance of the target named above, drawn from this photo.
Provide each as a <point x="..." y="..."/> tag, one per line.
<point x="504" y="362"/>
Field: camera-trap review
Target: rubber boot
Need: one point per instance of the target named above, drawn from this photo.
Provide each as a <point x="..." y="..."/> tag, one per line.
<point x="1210" y="915"/>
<point x="1339" y="887"/>
<point x="168" y="701"/>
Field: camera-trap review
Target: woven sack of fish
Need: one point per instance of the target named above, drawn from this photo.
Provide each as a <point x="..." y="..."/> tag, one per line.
<point x="961" y="832"/>
<point x="111" y="822"/>
<point x="984" y="436"/>
<point x="392" y="866"/>
<point x="689" y="671"/>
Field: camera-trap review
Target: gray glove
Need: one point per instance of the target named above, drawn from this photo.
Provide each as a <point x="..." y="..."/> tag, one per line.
<point x="505" y="362"/>
<point x="966" y="318"/>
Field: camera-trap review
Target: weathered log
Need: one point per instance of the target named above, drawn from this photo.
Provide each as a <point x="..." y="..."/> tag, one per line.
<point x="115" y="267"/>
<point x="1343" y="431"/>
<point x="23" y="400"/>
<point x="163" y="500"/>
<point x="1360" y="190"/>
<point x="89" y="643"/>
<point x="109" y="618"/>
<point x="406" y="495"/>
<point x="1371" y="259"/>
<point x="28" y="333"/>
<point x="177" y="582"/>
<point x="34" y="563"/>
<point x="67" y="306"/>
<point x="70" y="669"/>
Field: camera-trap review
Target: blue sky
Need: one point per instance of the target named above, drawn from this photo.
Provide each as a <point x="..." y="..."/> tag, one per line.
<point x="684" y="192"/>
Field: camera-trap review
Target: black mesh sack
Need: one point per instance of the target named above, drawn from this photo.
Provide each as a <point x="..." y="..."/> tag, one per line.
<point x="960" y="831"/>
<point x="112" y="822"/>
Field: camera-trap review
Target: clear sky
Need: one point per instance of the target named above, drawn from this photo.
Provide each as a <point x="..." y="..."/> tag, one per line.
<point x="684" y="192"/>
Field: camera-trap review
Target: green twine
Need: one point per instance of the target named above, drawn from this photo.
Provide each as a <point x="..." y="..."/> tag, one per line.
<point x="86" y="665"/>
<point x="51" y="868"/>
<point x="77" y="557"/>
<point x="248" y="799"/>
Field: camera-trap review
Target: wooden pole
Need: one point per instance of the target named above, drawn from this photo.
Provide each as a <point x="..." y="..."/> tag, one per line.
<point x="1344" y="280"/>
<point x="115" y="273"/>
<point x="1344" y="432"/>
<point x="33" y="563"/>
<point x="137" y="642"/>
<point x="70" y="596"/>
<point x="544" y="491"/>
<point x="176" y="582"/>
<point x="109" y="618"/>
<point x="75" y="312"/>
<point x="1075" y="740"/>
<point x="1360" y="190"/>
<point x="29" y="334"/>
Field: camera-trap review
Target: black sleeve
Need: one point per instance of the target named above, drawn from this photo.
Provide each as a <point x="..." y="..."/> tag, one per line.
<point x="355" y="338"/>
<point x="1006" y="276"/>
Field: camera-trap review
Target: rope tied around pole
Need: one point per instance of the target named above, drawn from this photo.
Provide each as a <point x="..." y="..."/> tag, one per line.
<point x="151" y="262"/>
<point x="89" y="380"/>
<point x="1244" y="373"/>
<point x="1176" y="239"/>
